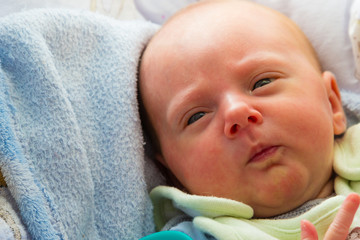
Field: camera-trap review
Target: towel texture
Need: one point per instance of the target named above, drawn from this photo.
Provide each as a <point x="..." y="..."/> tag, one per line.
<point x="71" y="146"/>
<point x="351" y="104"/>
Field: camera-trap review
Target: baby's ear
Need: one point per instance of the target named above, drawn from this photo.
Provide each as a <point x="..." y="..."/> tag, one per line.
<point x="339" y="118"/>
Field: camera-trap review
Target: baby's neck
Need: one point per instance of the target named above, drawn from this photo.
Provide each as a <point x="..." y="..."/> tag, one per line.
<point x="327" y="190"/>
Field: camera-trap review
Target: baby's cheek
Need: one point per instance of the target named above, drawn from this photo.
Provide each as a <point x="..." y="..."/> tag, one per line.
<point x="292" y="180"/>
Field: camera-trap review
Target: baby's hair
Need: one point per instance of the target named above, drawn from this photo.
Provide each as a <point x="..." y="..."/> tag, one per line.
<point x="152" y="144"/>
<point x="150" y="136"/>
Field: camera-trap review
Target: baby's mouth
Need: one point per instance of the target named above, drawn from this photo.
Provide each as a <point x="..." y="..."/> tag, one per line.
<point x="263" y="157"/>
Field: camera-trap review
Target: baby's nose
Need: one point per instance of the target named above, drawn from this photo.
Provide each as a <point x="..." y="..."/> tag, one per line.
<point x="238" y="114"/>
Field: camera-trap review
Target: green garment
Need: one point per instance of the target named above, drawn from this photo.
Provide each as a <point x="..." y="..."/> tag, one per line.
<point x="228" y="219"/>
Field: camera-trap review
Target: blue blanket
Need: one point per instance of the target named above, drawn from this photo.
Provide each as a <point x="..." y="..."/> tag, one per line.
<point x="71" y="146"/>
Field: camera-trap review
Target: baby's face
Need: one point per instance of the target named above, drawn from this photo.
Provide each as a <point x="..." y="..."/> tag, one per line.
<point x="241" y="111"/>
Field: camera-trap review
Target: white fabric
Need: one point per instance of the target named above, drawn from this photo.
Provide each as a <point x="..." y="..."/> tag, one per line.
<point x="119" y="9"/>
<point x="354" y="32"/>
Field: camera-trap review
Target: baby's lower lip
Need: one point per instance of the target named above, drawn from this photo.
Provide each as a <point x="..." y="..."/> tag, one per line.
<point x="261" y="158"/>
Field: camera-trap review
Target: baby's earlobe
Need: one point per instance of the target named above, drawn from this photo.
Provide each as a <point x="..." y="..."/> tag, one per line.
<point x="339" y="122"/>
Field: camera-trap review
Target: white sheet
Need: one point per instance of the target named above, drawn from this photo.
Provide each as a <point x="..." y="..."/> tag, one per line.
<point x="119" y="9"/>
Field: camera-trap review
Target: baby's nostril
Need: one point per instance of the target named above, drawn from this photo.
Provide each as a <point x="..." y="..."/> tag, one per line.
<point x="234" y="128"/>
<point x="252" y="119"/>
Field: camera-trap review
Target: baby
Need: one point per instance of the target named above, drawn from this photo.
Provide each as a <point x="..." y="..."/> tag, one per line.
<point x="241" y="113"/>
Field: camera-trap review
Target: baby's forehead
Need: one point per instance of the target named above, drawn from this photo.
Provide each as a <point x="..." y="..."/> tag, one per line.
<point x="201" y="17"/>
<point x="192" y="26"/>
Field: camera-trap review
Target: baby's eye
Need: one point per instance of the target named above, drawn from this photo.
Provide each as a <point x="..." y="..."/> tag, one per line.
<point x="262" y="82"/>
<point x="195" y="117"/>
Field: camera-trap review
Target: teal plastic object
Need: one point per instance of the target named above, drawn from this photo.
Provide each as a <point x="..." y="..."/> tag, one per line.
<point x="167" y="235"/>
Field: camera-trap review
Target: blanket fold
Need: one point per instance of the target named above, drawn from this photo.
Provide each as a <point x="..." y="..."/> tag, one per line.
<point x="71" y="146"/>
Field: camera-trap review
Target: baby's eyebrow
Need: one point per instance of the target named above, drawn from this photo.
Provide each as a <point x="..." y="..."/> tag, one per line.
<point x="179" y="104"/>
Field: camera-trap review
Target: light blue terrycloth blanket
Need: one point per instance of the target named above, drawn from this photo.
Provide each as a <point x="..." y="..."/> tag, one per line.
<point x="71" y="145"/>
